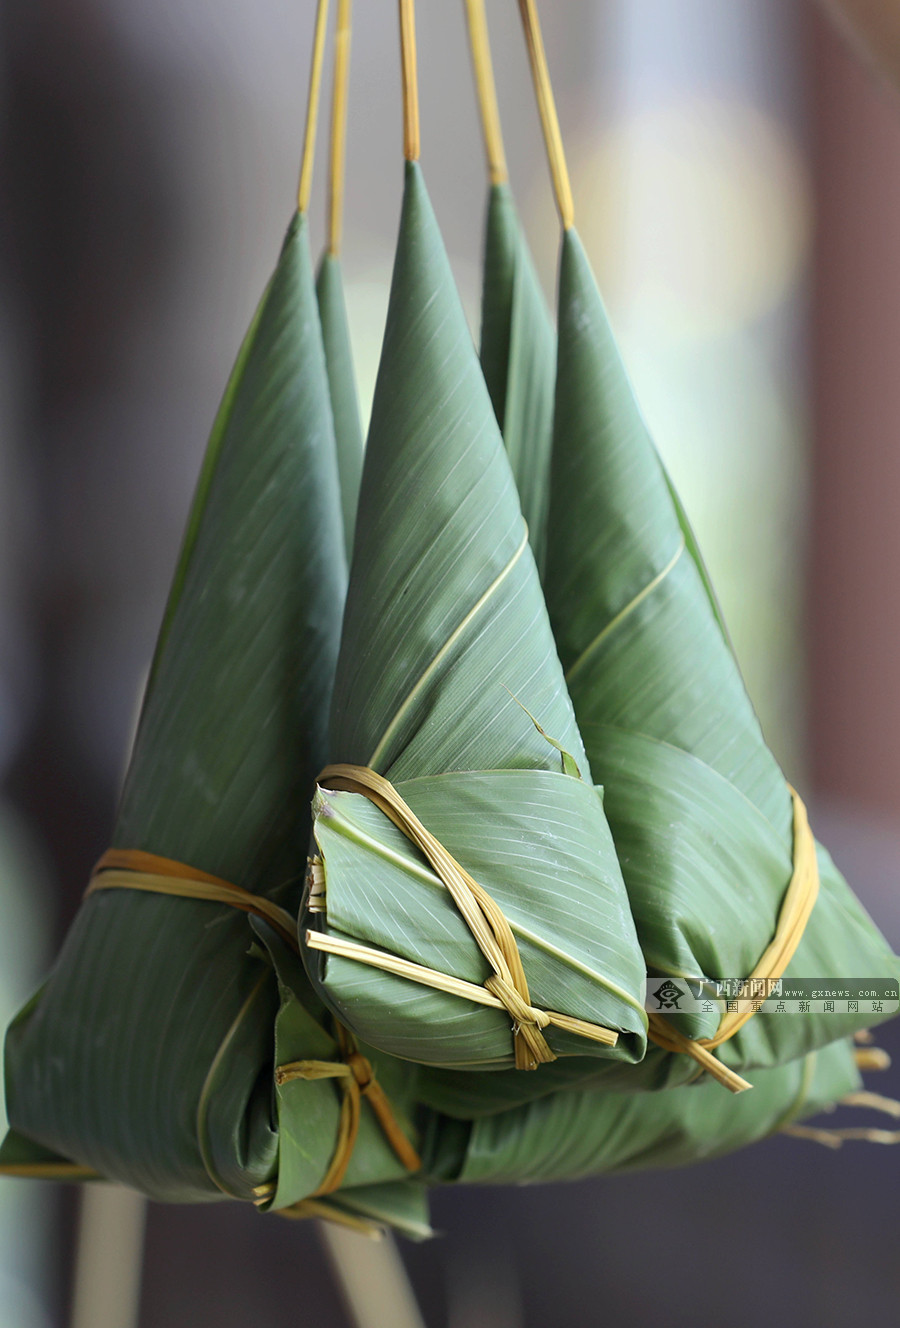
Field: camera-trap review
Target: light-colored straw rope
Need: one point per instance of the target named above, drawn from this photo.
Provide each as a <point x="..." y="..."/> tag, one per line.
<point x="131" y="869"/>
<point x="479" y="44"/>
<point x="411" y="141"/>
<point x="871" y="1058"/>
<point x="873" y="1102"/>
<point x="339" y="126"/>
<point x="49" y="1171"/>
<point x="307" y="1208"/>
<point x="835" y="1138"/>
<point x="507" y="987"/>
<point x="793" y="916"/>
<point x="304" y="188"/>
<point x="540" y="73"/>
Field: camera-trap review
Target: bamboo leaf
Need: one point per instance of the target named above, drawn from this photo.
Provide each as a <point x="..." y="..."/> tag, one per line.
<point x="342" y="387"/>
<point x="518" y="349"/>
<point x="573" y="1135"/>
<point x="439" y="553"/>
<point x="401" y="1205"/>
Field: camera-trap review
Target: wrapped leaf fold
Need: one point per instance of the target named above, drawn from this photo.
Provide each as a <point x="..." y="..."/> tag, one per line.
<point x="446" y="654"/>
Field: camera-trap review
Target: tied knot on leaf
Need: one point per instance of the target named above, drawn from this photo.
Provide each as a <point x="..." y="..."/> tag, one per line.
<point x="506" y="986"/>
<point x="362" y="1071"/>
<point x="527" y="1020"/>
<point x="356" y="1079"/>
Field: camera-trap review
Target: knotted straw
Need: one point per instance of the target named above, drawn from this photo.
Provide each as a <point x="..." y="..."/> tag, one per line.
<point x="356" y="1080"/>
<point x="507" y="987"/>
<point x="130" y="869"/>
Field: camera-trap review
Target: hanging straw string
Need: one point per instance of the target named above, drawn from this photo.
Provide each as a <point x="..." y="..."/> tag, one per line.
<point x="339" y="126"/>
<point x="312" y="108"/>
<point x="479" y="44"/>
<point x="507" y="987"/>
<point x="411" y="144"/>
<point x="547" y="109"/>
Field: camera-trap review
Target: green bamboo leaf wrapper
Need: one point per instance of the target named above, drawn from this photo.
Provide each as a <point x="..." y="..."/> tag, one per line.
<point x="569" y="1136"/>
<point x="401" y="1205"/>
<point x="518" y="359"/>
<point x="149" y="1053"/>
<point x="699" y="809"/>
<point x="446" y="652"/>
<point x="342" y="387"/>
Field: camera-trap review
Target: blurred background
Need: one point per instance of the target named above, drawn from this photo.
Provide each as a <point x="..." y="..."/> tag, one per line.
<point x="736" y="172"/>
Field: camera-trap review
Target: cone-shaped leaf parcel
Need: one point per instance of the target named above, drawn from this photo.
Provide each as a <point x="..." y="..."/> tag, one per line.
<point x="342" y="387"/>
<point x="149" y="1053"/>
<point x="700" y="812"/>
<point x="571" y="1135"/>
<point x="446" y="655"/>
<point x="518" y="358"/>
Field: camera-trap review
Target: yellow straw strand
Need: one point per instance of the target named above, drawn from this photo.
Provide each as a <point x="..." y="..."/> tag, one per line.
<point x="49" y="1171"/>
<point x="835" y="1138"/>
<point x="411" y="146"/>
<point x="873" y="1102"/>
<point x="339" y="125"/>
<point x="479" y="44"/>
<point x="126" y="869"/>
<point x="871" y="1058"/>
<point x="312" y="108"/>
<point x="547" y="109"/>
<point x="325" y="1212"/>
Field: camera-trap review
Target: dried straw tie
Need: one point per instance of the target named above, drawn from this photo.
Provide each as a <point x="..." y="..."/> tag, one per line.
<point x="130" y="869"/>
<point x="793" y="916"/>
<point x="507" y="987"/>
